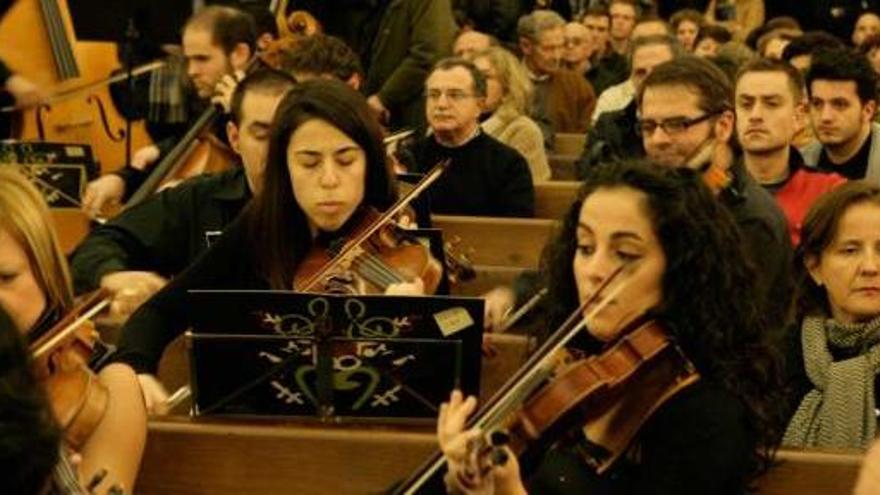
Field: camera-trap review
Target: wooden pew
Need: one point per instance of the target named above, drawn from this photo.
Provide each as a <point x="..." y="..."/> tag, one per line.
<point x="553" y="198"/>
<point x="569" y="143"/>
<point x="562" y="167"/>
<point x="812" y="472"/>
<point x="510" y="242"/>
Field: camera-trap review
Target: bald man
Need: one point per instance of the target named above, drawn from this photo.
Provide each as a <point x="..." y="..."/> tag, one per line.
<point x="578" y="47"/>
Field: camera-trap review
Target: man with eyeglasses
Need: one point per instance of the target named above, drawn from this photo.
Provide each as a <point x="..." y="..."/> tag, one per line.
<point x="578" y="49"/>
<point x="563" y="99"/>
<point x="485" y="177"/>
<point x="686" y="119"/>
<point x="613" y="136"/>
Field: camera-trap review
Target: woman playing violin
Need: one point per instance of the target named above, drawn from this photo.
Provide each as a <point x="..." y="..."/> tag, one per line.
<point x="685" y="269"/>
<point x="326" y="168"/>
<point x="35" y="291"/>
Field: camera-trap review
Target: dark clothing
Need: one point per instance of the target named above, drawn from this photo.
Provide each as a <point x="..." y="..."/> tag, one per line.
<point x="853" y="169"/>
<point x="398" y="42"/>
<point x="229" y="264"/>
<point x="611" y="69"/>
<point x="495" y="17"/>
<point x="697" y="443"/>
<point x="767" y="242"/>
<point x="485" y="178"/>
<point x="165" y="233"/>
<point x="612" y="138"/>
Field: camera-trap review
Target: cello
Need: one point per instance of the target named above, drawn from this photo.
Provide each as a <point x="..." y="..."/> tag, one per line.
<point x="37" y="41"/>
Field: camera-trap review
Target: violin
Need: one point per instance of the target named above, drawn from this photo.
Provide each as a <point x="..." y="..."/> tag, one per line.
<point x="377" y="255"/>
<point x="389" y="256"/>
<point x="610" y="395"/>
<point x="61" y="356"/>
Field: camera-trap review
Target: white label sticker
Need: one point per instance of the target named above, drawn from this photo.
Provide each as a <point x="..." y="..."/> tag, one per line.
<point x="453" y="320"/>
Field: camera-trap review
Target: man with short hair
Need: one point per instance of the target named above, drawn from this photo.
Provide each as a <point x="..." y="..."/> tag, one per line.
<point x="623" y="19"/>
<point x="686" y="119"/>
<point x="471" y="42"/>
<point x="799" y="52"/>
<point x="613" y="136"/>
<point x="607" y="67"/>
<point x="563" y="98"/>
<point x="132" y="255"/>
<point x="769" y="106"/>
<point x="324" y="56"/>
<point x="866" y="26"/>
<point x="619" y="96"/>
<point x="485" y="177"/>
<point x="578" y="49"/>
<point x="842" y="89"/>
<point x="217" y="41"/>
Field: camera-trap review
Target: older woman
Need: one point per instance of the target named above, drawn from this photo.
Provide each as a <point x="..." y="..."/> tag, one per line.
<point x="836" y="355"/>
<point x="508" y="102"/>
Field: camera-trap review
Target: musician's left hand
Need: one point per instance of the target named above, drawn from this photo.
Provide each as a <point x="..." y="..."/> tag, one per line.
<point x="470" y="472"/>
<point x="414" y="288"/>
<point x="224" y="89"/>
<point x="24" y="91"/>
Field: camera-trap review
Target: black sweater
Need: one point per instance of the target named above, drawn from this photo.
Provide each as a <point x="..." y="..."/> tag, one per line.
<point x="485" y="178"/>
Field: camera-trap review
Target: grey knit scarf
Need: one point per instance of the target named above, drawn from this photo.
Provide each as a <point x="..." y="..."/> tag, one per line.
<point x="839" y="411"/>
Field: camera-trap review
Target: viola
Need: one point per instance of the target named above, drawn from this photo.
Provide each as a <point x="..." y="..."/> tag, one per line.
<point x="61" y="356"/>
<point x="609" y="395"/>
<point x="375" y="256"/>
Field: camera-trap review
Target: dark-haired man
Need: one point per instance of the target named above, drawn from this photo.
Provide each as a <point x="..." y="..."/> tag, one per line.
<point x="843" y="99"/>
<point x="769" y="106"/>
<point x="486" y="177"/>
<point x="686" y="118"/>
<point x="321" y="55"/>
<point x="217" y="41"/>
<point x="133" y="254"/>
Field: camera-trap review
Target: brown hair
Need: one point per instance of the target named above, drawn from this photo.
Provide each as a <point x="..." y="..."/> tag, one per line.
<point x="701" y="76"/>
<point x="818" y="232"/>
<point x="795" y="79"/>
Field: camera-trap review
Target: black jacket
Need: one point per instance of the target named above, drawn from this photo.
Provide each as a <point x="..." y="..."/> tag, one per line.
<point x="485" y="178"/>
<point x="612" y="138"/>
<point x="164" y="233"/>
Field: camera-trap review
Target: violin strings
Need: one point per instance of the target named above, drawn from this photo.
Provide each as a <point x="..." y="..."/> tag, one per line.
<point x="382" y="275"/>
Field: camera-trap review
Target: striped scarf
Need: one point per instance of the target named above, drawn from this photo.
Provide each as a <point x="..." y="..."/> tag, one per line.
<point x="839" y="411"/>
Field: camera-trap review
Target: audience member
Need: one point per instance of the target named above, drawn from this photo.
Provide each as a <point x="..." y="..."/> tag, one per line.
<point x="578" y="49"/>
<point x="607" y="67"/>
<point x="624" y="14"/>
<point x="769" y="105"/>
<point x="564" y="100"/>
<point x="325" y="56"/>
<point x="687" y="23"/>
<point x="842" y="88"/>
<point x="507" y="107"/>
<point x="485" y="178"/>
<point x="469" y="42"/>
<point x="867" y="25"/>
<point x="799" y="52"/>
<point x="710" y="39"/>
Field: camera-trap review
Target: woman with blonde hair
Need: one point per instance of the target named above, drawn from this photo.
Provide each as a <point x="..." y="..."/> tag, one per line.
<point x="35" y="291"/>
<point x="508" y="103"/>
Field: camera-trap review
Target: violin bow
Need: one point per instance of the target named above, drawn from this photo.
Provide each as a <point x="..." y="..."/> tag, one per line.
<point x="93" y="304"/>
<point x="69" y="93"/>
<point x="390" y="213"/>
<point x="524" y="381"/>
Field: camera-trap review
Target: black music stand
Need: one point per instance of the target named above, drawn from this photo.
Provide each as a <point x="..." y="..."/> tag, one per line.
<point x="380" y="358"/>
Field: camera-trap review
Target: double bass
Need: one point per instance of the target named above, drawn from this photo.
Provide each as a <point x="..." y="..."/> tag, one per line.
<point x="37" y="40"/>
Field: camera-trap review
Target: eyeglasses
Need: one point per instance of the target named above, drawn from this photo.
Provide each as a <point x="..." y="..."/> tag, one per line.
<point x="454" y="95"/>
<point x="675" y="125"/>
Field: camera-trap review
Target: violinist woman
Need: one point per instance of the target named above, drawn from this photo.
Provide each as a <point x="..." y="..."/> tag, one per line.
<point x="686" y="270"/>
<point x="35" y="291"/>
<point x="836" y="353"/>
<point x="326" y="169"/>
